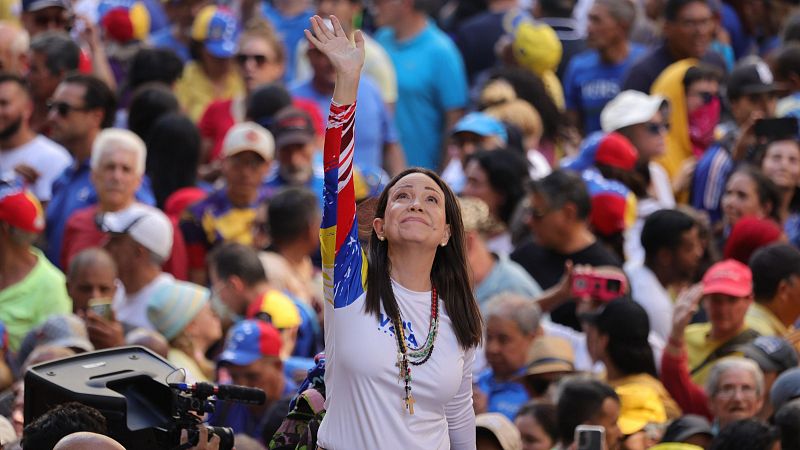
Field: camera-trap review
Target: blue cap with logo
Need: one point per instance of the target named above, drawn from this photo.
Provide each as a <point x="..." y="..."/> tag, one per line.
<point x="216" y="27"/>
<point x="249" y="341"/>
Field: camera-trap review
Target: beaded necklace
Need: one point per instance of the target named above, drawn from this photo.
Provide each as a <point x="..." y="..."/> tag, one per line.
<point x="407" y="356"/>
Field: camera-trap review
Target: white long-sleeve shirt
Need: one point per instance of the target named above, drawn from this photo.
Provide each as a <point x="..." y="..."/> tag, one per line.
<point x="365" y="407"/>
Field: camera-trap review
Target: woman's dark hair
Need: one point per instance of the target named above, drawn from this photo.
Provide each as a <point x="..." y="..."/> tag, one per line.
<point x="632" y="179"/>
<point x="545" y="414"/>
<point x="148" y="104"/>
<point x="794" y="204"/>
<point x="449" y="273"/>
<point x="507" y="173"/>
<point x="768" y="193"/>
<point x="631" y="357"/>
<point x="173" y="154"/>
<point x="151" y="65"/>
<point x="530" y="88"/>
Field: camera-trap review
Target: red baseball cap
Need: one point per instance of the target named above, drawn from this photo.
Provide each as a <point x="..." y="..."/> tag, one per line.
<point x="20" y="209"/>
<point x="616" y="150"/>
<point x="729" y="277"/>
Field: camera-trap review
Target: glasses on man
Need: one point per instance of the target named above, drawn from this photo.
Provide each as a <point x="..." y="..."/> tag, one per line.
<point x="657" y="127"/>
<point x="63" y="108"/>
<point x="58" y="18"/>
<point x="706" y="96"/>
<point x="729" y="391"/>
<point x="260" y="60"/>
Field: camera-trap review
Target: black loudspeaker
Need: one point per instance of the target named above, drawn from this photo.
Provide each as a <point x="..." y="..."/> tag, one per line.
<point x="128" y="385"/>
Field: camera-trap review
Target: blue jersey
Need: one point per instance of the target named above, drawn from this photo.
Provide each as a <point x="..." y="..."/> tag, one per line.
<point x="589" y="84"/>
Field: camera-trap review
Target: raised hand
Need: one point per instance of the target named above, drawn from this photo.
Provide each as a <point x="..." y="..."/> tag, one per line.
<point x="347" y="57"/>
<point x="685" y="306"/>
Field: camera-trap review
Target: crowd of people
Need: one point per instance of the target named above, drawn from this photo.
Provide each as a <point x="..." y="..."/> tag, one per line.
<point x="593" y="205"/>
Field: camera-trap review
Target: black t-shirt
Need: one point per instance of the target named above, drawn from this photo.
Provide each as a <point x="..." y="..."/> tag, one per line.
<point x="476" y="39"/>
<point x="546" y="267"/>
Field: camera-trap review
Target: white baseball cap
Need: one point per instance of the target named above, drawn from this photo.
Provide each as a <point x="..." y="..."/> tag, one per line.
<point x="147" y="226"/>
<point x="629" y="108"/>
<point x="249" y="136"/>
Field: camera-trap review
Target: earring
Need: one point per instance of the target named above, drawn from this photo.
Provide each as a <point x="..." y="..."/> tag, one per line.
<point x="381" y="238"/>
<point x="443" y="244"/>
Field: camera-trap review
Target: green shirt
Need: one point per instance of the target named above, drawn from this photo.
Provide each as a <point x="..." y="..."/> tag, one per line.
<point x="23" y="305"/>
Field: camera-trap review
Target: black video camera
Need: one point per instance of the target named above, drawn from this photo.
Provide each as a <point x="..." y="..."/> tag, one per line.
<point x="130" y="387"/>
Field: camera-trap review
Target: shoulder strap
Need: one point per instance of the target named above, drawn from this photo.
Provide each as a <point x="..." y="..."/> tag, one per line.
<point x="727" y="348"/>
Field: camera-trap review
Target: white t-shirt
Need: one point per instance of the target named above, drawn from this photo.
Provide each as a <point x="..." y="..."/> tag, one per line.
<point x="44" y="156"/>
<point x="132" y="309"/>
<point x="648" y="292"/>
<point x="365" y="407"/>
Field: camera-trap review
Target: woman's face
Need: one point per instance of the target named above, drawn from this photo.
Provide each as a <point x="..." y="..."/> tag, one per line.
<point x="258" y="62"/>
<point x="741" y="199"/>
<point x="415" y="213"/>
<point x="206" y="325"/>
<point x="478" y="186"/>
<point x="782" y="163"/>
<point x="533" y="435"/>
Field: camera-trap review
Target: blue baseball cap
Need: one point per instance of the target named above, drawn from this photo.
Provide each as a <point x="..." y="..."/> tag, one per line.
<point x="216" y="27"/>
<point x="249" y="341"/>
<point x="611" y="149"/>
<point x="481" y="124"/>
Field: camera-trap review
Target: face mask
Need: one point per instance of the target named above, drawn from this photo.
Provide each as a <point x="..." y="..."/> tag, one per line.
<point x="702" y="122"/>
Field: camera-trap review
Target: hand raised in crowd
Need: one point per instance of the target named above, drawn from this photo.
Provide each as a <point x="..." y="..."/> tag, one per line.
<point x="747" y="137"/>
<point x="346" y="57"/>
<point x="685" y="307"/>
<point x="102" y="332"/>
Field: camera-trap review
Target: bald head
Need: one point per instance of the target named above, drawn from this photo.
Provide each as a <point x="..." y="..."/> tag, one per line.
<point x="83" y="440"/>
<point x="92" y="274"/>
<point x="14" y="45"/>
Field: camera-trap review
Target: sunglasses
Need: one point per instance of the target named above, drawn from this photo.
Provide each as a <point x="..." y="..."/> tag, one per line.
<point x="63" y="109"/>
<point x="706" y="96"/>
<point x="260" y="60"/>
<point x="656" y="128"/>
<point x="58" y="19"/>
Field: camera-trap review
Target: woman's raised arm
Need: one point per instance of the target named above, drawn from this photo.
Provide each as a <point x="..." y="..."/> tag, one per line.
<point x="345" y="56"/>
<point x="342" y="258"/>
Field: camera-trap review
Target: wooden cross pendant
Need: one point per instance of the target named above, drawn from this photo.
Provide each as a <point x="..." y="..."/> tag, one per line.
<point x="410" y="403"/>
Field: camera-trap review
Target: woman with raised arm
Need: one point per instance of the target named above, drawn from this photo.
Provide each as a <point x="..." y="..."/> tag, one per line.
<point x="401" y="324"/>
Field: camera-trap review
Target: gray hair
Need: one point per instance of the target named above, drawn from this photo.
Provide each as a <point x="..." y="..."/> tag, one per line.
<point x="734" y="363"/>
<point x="522" y="310"/>
<point x="61" y="53"/>
<point x="119" y="139"/>
<point x="623" y="11"/>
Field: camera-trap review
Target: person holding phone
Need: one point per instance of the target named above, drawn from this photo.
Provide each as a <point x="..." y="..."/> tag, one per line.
<point x="384" y="316"/>
<point x="588" y="402"/>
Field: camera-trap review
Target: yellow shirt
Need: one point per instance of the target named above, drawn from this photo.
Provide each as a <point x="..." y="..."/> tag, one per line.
<point x="761" y="319"/>
<point x="195" y="91"/>
<point x="670" y="407"/>
<point x="699" y="346"/>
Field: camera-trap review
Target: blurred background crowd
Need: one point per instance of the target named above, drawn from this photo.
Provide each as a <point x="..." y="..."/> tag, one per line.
<point x="628" y="173"/>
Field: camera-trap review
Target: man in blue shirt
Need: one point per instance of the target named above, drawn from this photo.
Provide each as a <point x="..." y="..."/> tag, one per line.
<point x="688" y="31"/>
<point x="81" y="106"/>
<point x="290" y="18"/>
<point x="376" y="139"/>
<point x="594" y="76"/>
<point x="431" y="79"/>
<point x="251" y="357"/>
<point x="512" y="324"/>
